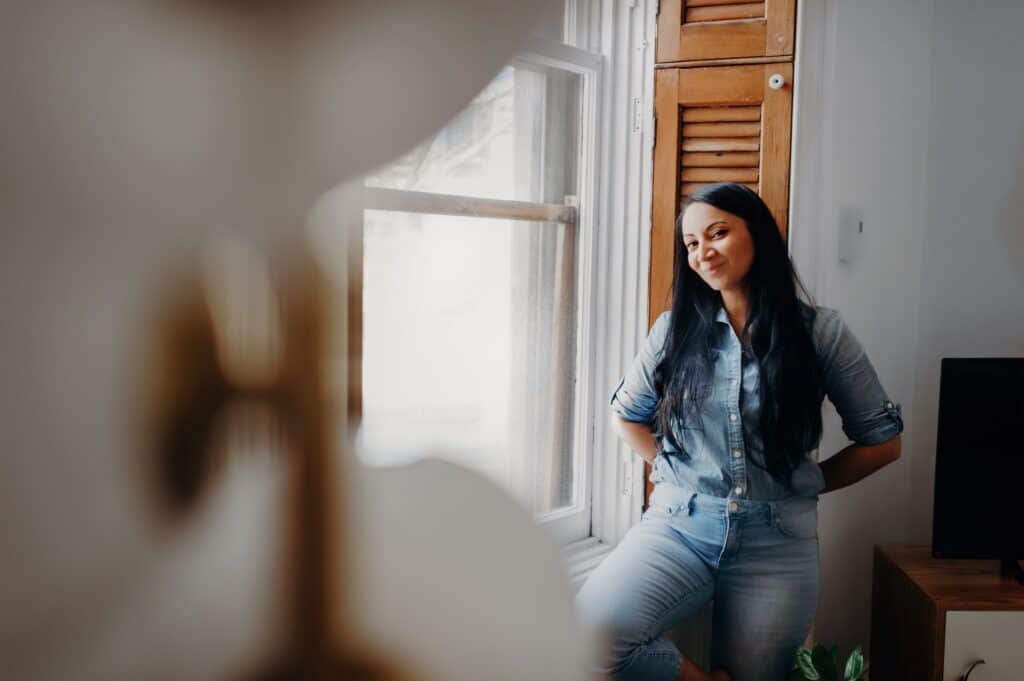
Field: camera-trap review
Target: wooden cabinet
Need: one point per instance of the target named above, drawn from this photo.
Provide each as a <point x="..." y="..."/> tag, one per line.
<point x="931" y="618"/>
<point x="690" y="30"/>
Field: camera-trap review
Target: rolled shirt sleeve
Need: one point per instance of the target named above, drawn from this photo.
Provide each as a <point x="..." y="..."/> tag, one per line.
<point x="636" y="399"/>
<point x="851" y="383"/>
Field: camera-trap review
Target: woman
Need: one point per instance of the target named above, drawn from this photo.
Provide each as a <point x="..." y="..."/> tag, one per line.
<point x="724" y="400"/>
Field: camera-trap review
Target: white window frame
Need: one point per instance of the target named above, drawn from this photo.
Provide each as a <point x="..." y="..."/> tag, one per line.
<point x="616" y="324"/>
<point x="612" y="44"/>
<point x="573" y="523"/>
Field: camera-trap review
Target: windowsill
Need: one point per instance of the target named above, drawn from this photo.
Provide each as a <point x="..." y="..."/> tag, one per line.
<point x="582" y="557"/>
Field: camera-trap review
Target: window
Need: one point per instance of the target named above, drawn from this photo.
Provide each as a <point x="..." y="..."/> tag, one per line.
<point x="496" y="294"/>
<point x="474" y="256"/>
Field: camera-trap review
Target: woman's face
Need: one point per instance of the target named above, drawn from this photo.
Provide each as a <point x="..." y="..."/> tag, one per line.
<point x="718" y="246"/>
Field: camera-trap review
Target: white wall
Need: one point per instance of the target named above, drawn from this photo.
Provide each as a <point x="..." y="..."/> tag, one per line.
<point x="908" y="118"/>
<point x="972" y="282"/>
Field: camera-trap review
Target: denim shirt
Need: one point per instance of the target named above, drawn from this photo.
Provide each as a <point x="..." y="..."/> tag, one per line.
<point x="726" y="434"/>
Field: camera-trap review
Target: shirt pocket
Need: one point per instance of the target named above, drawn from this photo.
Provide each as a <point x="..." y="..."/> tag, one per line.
<point x="691" y="434"/>
<point x="689" y="438"/>
<point x="693" y="442"/>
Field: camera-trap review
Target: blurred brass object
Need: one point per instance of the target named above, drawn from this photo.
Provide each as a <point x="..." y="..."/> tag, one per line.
<point x="219" y="341"/>
<point x="231" y="339"/>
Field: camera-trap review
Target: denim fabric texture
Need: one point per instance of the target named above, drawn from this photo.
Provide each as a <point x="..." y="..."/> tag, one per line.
<point x="758" y="560"/>
<point x="720" y="444"/>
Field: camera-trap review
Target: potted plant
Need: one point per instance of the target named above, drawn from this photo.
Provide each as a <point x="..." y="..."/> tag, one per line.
<point x="821" y="664"/>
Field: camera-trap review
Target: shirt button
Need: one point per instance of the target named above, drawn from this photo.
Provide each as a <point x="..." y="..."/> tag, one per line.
<point x="732" y="417"/>
<point x="733" y="506"/>
<point x="739" y="490"/>
<point x="736" y="453"/>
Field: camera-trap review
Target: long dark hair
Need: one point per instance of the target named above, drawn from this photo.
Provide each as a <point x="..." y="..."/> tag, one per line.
<point x="779" y="328"/>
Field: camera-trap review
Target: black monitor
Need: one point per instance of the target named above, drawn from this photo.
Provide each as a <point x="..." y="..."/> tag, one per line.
<point x="979" y="460"/>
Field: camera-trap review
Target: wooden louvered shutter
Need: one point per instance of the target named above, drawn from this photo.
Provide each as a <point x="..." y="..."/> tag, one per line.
<point x="724" y="29"/>
<point x="716" y="124"/>
<point x="719" y="144"/>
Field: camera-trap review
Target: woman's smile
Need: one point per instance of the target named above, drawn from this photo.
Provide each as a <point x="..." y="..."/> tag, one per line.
<point x="718" y="245"/>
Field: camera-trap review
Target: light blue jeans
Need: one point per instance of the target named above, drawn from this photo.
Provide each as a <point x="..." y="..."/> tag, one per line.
<point x="757" y="559"/>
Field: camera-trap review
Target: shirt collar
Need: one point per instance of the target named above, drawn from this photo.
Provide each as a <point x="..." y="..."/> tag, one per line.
<point x="721" y="315"/>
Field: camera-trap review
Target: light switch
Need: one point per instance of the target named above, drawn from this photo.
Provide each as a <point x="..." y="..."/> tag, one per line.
<point x="850" y="242"/>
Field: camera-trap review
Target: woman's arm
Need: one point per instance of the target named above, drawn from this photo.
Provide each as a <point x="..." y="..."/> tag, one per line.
<point x="638" y="436"/>
<point x="857" y="462"/>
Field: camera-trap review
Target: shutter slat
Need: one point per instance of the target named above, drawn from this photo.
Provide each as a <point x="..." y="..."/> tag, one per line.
<point x="715" y="147"/>
<point x="710" y="3"/>
<point x="722" y="144"/>
<point x="705" y="114"/>
<point x="719" y="175"/>
<point x="720" y="160"/>
<point x="747" y="10"/>
<point x="721" y="130"/>
<point x="688" y="188"/>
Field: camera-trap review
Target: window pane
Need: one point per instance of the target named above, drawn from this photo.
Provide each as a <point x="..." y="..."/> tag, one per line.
<point x="469" y="349"/>
<point x="517" y="140"/>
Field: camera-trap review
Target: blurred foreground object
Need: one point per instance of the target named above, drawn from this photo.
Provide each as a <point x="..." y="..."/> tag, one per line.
<point x="133" y="132"/>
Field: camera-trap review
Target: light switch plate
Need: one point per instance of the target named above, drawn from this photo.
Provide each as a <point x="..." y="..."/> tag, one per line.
<point x="850" y="243"/>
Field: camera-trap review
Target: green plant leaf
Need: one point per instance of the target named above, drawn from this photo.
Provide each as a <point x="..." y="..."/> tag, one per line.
<point x="806" y="666"/>
<point x="823" y="662"/>
<point x="835" y="656"/>
<point x="854" y="665"/>
<point x="796" y="675"/>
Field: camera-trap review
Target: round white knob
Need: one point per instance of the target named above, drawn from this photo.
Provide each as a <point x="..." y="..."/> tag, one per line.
<point x="776" y="81"/>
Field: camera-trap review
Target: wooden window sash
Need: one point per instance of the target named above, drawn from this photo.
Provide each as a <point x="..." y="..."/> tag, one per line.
<point x="409" y="201"/>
